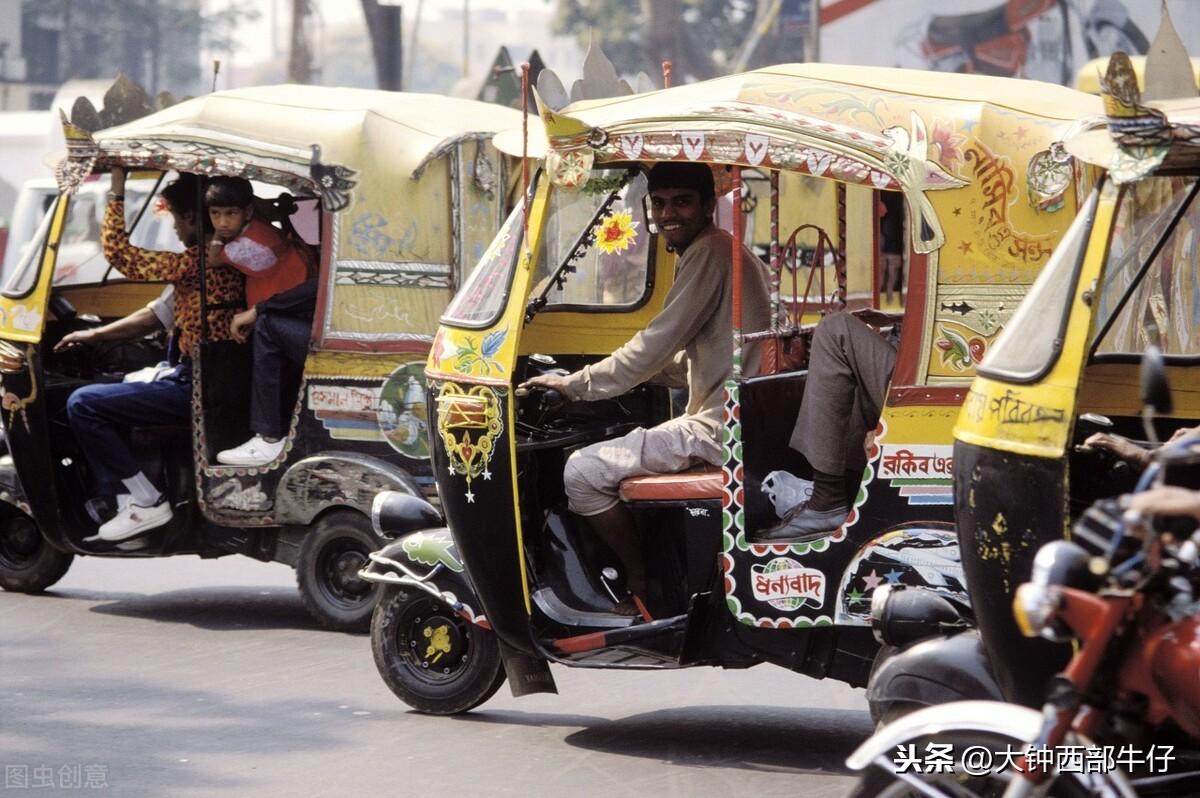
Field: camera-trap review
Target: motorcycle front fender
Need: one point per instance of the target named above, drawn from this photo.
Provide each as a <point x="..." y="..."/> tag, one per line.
<point x="427" y="560"/>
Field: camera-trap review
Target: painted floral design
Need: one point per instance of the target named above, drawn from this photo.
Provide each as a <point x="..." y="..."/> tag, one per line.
<point x="957" y="351"/>
<point x="616" y="232"/>
<point x="470" y="352"/>
<point x="948" y="143"/>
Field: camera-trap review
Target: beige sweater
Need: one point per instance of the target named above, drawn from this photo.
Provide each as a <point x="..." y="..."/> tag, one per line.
<point x="694" y="327"/>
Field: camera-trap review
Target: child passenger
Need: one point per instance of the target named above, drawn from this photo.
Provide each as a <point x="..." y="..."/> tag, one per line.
<point x="277" y="267"/>
<point x="271" y="261"/>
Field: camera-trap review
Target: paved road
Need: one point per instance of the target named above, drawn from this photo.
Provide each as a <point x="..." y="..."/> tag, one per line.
<point x="195" y="678"/>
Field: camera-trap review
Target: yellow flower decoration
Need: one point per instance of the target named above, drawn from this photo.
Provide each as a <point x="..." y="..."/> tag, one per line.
<point x="616" y="233"/>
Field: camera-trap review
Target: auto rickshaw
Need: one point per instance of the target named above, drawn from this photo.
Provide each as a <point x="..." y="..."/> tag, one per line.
<point x="398" y="194"/>
<point x="510" y="584"/>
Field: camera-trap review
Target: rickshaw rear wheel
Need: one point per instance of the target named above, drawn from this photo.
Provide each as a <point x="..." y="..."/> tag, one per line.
<point x="28" y="563"/>
<point x="331" y="555"/>
<point x="433" y="659"/>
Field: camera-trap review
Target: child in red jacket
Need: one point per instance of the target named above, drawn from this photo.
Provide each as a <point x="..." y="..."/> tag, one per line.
<point x="271" y="261"/>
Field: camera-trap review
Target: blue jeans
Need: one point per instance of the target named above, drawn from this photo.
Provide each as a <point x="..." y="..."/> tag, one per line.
<point x="102" y="416"/>
<point x="280" y="346"/>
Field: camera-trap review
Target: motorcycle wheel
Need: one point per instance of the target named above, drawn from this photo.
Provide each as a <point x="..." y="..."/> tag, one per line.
<point x="876" y="782"/>
<point x="432" y="659"/>
<point x="331" y="555"/>
<point x="28" y="564"/>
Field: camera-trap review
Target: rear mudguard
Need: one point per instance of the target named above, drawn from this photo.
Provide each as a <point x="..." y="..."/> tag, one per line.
<point x="11" y="491"/>
<point x="336" y="479"/>
<point x="932" y="672"/>
<point x="1011" y="721"/>
<point x="427" y="560"/>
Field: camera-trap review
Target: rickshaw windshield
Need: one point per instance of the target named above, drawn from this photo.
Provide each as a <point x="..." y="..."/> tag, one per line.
<point x="1030" y="344"/>
<point x="481" y="299"/>
<point x="1151" y="290"/>
<point x="79" y="259"/>
<point x="594" y="251"/>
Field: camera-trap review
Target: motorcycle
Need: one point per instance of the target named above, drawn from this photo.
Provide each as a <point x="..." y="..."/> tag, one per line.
<point x="1124" y="589"/>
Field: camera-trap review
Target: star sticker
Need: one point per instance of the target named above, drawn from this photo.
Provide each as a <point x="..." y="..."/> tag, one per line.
<point x="958" y="211"/>
<point x="470" y="497"/>
<point x="854" y="597"/>
<point x="873" y="580"/>
<point x="965" y="246"/>
<point x="487" y="474"/>
<point x="893" y="577"/>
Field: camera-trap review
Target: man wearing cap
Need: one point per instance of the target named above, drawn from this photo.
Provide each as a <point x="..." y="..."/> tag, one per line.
<point x="693" y="331"/>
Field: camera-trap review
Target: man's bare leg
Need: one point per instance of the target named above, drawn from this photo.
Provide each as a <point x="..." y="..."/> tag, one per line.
<point x="616" y="527"/>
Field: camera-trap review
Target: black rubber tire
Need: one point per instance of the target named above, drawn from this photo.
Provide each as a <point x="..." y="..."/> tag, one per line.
<point x="28" y="564"/>
<point x="331" y="554"/>
<point x="471" y="673"/>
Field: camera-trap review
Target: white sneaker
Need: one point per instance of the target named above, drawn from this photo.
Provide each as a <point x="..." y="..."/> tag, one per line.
<point x="133" y="519"/>
<point x="254" y="452"/>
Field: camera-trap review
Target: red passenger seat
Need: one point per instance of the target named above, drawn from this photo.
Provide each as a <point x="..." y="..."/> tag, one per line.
<point x="698" y="483"/>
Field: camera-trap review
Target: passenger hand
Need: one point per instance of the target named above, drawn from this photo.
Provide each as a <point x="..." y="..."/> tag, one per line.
<point x="1167" y="500"/>
<point x="1183" y="432"/>
<point x="1123" y="448"/>
<point x="239" y="328"/>
<point x="118" y="180"/>
<point x="215" y="248"/>
<point x="77" y="338"/>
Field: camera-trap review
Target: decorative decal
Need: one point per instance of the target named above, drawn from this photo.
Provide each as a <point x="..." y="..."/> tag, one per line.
<point x="232" y="495"/>
<point x="347" y="412"/>
<point x="756" y="146"/>
<point x="997" y="182"/>
<point x="401" y="411"/>
<point x="1048" y="177"/>
<point x="569" y="169"/>
<point x="631" y="145"/>
<point x="471" y="352"/>
<point x="921" y="554"/>
<point x="616" y="233"/>
<point x="958" y="352"/>
<point x="787" y="585"/>
<point x="469" y="422"/>
<point x="924" y="474"/>
<point x="333" y="182"/>
<point x="693" y="145"/>
<point x="430" y="549"/>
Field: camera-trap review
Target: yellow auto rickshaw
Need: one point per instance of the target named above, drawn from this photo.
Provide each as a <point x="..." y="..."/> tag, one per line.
<point x="398" y="195"/>
<point x="511" y="584"/>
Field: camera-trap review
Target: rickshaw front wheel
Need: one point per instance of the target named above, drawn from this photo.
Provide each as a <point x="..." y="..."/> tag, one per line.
<point x="331" y="555"/>
<point x="28" y="563"/>
<point x="433" y="659"/>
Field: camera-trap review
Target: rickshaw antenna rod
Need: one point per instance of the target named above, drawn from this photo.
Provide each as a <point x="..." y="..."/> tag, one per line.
<point x="737" y="272"/>
<point x="525" y="151"/>
<point x="666" y="66"/>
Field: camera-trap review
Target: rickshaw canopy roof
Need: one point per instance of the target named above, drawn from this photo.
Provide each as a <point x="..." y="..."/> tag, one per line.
<point x="297" y="130"/>
<point x="1180" y="148"/>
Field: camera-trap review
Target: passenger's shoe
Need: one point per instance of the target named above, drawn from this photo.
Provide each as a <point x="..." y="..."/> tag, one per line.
<point x="255" y="452"/>
<point x="133" y="520"/>
<point x="803" y="525"/>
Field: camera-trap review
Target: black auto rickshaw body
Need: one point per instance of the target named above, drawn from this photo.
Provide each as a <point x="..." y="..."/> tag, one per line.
<point x="511" y="583"/>
<point x="395" y="193"/>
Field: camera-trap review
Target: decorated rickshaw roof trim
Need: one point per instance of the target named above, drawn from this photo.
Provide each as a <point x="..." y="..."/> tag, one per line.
<point x="303" y="137"/>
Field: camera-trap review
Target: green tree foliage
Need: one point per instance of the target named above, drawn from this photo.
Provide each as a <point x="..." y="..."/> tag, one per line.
<point x="702" y="38"/>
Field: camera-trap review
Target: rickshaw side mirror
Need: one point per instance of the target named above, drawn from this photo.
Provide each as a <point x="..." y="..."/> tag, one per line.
<point x="1156" y="389"/>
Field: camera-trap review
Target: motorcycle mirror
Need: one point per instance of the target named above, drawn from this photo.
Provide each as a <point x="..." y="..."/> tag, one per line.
<point x="1156" y="389"/>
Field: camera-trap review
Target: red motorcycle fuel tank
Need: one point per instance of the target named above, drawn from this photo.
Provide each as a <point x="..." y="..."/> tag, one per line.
<point x="1174" y="654"/>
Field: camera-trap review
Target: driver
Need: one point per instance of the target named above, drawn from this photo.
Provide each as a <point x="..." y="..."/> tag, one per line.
<point x="693" y="330"/>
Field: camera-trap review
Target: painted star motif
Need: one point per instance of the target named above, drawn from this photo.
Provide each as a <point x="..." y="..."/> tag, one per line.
<point x="1020" y="133"/>
<point x="487" y="474"/>
<point x="854" y="597"/>
<point x="958" y="211"/>
<point x="470" y="497"/>
<point x="965" y="246"/>
<point x="893" y="577"/>
<point x="873" y="580"/>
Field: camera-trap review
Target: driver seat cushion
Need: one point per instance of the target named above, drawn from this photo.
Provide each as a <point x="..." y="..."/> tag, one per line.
<point x="691" y="485"/>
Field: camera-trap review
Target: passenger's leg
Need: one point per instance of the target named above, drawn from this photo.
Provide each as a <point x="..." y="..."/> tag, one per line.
<point x="848" y="375"/>
<point x="593" y="475"/>
<point x="280" y="347"/>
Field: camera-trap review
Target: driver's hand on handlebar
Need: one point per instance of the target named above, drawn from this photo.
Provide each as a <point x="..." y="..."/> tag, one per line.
<point x="1183" y="432"/>
<point x="77" y="338"/>
<point x="1123" y="448"/>
<point x="550" y="382"/>
<point x="1167" y="500"/>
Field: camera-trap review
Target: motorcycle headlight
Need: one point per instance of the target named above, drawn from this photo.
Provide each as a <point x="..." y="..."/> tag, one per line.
<point x="1035" y="606"/>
